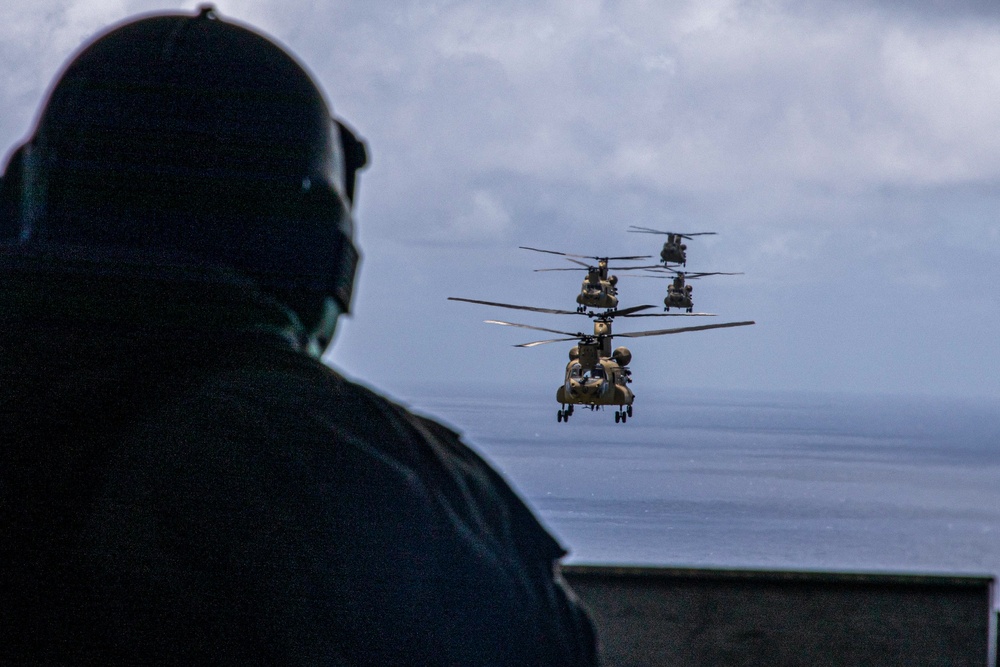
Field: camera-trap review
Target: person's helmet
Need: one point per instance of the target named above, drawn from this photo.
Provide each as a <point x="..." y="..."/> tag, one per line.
<point x="190" y="139"/>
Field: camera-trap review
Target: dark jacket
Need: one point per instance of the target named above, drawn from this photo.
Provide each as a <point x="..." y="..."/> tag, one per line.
<point x="179" y="482"/>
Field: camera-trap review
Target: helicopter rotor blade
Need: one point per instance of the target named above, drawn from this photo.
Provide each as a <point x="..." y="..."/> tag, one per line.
<point x="590" y="267"/>
<point x="635" y="268"/>
<point x="699" y="274"/>
<point x="597" y="257"/>
<point x="550" y="340"/>
<point x="628" y="312"/>
<point x="674" y="315"/>
<point x="676" y="272"/>
<point x="528" y="326"/>
<point x="551" y="252"/>
<point x="643" y="275"/>
<point x="622" y="312"/>
<point x="534" y="309"/>
<point x="621" y="268"/>
<point x="649" y="230"/>
<point x="663" y="332"/>
<point x="633" y="334"/>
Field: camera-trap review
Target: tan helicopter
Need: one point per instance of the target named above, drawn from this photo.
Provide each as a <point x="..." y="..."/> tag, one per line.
<point x="674" y="249"/>
<point x="599" y="288"/>
<point x="596" y="375"/>
<point x="679" y="293"/>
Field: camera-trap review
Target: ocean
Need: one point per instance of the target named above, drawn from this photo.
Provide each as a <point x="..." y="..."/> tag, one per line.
<point x="744" y="479"/>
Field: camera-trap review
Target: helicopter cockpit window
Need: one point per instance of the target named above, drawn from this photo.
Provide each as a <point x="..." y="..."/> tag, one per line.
<point x="575" y="371"/>
<point x="596" y="372"/>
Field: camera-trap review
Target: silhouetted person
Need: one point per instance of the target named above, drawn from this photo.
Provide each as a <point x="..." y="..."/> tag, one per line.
<point x="181" y="479"/>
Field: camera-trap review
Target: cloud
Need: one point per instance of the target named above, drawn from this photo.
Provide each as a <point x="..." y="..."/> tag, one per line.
<point x="825" y="142"/>
<point x="723" y="99"/>
<point x="482" y="218"/>
<point x="921" y="11"/>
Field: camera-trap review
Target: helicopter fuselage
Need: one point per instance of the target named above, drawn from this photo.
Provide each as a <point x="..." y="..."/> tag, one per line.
<point x="674" y="252"/>
<point x="678" y="296"/>
<point x="599" y="290"/>
<point x="596" y="376"/>
<point x="601" y="384"/>
<point x="603" y="296"/>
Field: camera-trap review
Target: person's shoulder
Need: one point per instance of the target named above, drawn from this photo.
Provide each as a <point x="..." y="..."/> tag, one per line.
<point x="430" y="451"/>
<point x="289" y="396"/>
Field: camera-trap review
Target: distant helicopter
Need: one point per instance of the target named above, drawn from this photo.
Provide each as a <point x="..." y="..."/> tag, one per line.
<point x="599" y="289"/>
<point x="674" y="250"/>
<point x="678" y="291"/>
<point x="596" y="375"/>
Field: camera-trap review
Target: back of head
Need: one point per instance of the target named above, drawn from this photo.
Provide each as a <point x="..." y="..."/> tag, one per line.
<point x="186" y="139"/>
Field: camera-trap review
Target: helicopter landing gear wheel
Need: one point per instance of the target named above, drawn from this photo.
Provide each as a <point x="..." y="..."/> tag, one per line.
<point x="569" y="411"/>
<point x="618" y="416"/>
<point x="560" y="416"/>
<point x="624" y="417"/>
<point x="629" y="411"/>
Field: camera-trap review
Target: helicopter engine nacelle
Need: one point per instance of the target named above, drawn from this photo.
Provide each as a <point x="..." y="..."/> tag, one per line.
<point x="574" y="352"/>
<point x="622" y="356"/>
<point x="613" y="280"/>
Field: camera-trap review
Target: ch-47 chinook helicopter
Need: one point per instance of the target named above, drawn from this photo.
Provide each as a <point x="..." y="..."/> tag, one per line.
<point x="674" y="249"/>
<point x="596" y="375"/>
<point x="599" y="289"/>
<point x="679" y="292"/>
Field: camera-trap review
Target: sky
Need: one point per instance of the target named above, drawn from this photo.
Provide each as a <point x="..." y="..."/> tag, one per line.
<point x="847" y="155"/>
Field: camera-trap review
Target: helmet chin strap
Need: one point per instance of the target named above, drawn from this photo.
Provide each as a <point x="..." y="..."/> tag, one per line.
<point x="321" y="334"/>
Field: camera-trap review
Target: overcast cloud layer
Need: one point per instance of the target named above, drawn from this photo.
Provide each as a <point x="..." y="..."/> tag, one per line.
<point x="848" y="157"/>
